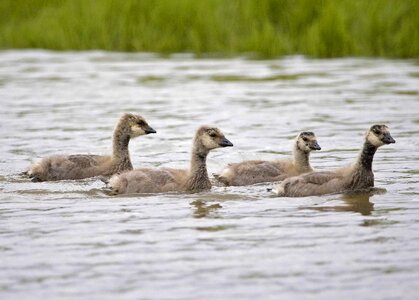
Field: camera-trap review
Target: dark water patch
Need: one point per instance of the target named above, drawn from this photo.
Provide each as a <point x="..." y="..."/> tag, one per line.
<point x="407" y="92"/>
<point x="102" y="57"/>
<point x="53" y="78"/>
<point x="413" y="172"/>
<point x="240" y="78"/>
<point x="152" y="79"/>
<point x="277" y="66"/>
<point x="388" y="84"/>
<point x="215" y="228"/>
<point x="378" y="240"/>
<point x="132" y="231"/>
<point x="32" y="69"/>
<point x="378" y="222"/>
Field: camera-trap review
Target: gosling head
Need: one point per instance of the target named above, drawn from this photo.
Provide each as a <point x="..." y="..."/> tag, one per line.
<point x="136" y="125"/>
<point x="211" y="138"/>
<point x="379" y="135"/>
<point x="307" y="141"/>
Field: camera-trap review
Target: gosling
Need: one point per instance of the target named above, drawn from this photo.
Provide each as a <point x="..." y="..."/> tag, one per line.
<point x="357" y="176"/>
<point x="256" y="171"/>
<point x="148" y="180"/>
<point x="79" y="166"/>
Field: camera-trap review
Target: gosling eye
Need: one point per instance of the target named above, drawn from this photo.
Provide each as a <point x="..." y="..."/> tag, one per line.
<point x="376" y="131"/>
<point x="305" y="139"/>
<point x="141" y="123"/>
<point x="212" y="134"/>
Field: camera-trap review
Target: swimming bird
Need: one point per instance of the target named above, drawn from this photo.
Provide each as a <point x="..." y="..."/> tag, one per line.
<point x="255" y="171"/>
<point x="62" y="167"/>
<point x="357" y="176"/>
<point x="160" y="180"/>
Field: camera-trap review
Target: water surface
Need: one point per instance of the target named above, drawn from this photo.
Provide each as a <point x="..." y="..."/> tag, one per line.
<point x="63" y="240"/>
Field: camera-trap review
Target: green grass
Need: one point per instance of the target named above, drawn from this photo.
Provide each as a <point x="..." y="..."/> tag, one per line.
<point x="263" y="28"/>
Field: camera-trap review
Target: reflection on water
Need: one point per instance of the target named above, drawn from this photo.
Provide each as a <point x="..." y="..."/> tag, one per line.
<point x="356" y="202"/>
<point x="71" y="240"/>
<point x="359" y="202"/>
<point x="201" y="209"/>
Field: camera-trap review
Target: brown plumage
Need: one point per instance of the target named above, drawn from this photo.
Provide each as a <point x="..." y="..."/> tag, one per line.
<point x="255" y="171"/>
<point x="162" y="180"/>
<point x="357" y="176"/>
<point x="61" y="167"/>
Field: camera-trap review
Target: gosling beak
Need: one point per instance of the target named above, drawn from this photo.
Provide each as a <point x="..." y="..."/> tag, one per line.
<point x="225" y="143"/>
<point x="315" y="146"/>
<point x="388" y="139"/>
<point x="149" y="130"/>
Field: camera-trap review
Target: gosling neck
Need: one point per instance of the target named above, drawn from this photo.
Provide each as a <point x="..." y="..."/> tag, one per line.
<point x="366" y="156"/>
<point x="198" y="175"/>
<point x="120" y="145"/>
<point x="301" y="160"/>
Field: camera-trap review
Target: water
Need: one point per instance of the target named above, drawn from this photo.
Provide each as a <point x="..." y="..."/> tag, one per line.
<point x="69" y="240"/>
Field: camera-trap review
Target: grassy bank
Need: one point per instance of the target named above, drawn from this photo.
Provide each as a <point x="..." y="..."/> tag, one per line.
<point x="319" y="28"/>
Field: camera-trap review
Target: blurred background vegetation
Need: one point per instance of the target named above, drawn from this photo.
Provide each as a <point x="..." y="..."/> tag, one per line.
<point x="265" y="28"/>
